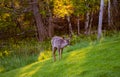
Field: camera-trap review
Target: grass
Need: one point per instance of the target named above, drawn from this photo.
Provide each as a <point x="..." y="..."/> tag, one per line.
<point x="96" y="59"/>
<point x="14" y="56"/>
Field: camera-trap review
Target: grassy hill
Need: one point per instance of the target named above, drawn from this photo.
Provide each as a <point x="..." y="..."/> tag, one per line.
<point x="96" y="59"/>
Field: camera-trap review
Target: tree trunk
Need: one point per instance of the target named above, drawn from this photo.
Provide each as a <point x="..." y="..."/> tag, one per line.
<point x="100" y="19"/>
<point x="110" y="18"/>
<point x="109" y="13"/>
<point x="50" y="19"/>
<point x="91" y="19"/>
<point x="70" y="26"/>
<point x="78" y="25"/>
<point x="87" y="22"/>
<point x="40" y="28"/>
<point x="51" y="27"/>
<point x="115" y="4"/>
<point x="114" y="14"/>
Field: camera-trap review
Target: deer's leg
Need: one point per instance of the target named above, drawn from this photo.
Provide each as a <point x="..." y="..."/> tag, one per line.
<point x="54" y="50"/>
<point x="59" y="51"/>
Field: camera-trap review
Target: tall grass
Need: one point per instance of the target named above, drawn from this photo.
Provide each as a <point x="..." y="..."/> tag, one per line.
<point x="17" y="55"/>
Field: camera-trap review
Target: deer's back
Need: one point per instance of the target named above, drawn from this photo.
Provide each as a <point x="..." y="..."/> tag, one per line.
<point x="57" y="41"/>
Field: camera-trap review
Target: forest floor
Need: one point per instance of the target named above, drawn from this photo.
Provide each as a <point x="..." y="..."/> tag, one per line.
<point x="98" y="59"/>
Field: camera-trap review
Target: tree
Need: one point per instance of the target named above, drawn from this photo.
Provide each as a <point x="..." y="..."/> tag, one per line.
<point x="90" y="22"/>
<point x="91" y="7"/>
<point x="42" y="33"/>
<point x="113" y="14"/>
<point x="79" y="10"/>
<point x="87" y="22"/>
<point x="70" y="26"/>
<point x="51" y="25"/>
<point x="64" y="8"/>
<point x="100" y="19"/>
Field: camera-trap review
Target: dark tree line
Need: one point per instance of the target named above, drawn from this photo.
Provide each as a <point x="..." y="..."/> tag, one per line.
<point x="43" y="19"/>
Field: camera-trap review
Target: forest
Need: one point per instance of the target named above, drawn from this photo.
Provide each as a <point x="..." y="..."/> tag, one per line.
<point x="27" y="27"/>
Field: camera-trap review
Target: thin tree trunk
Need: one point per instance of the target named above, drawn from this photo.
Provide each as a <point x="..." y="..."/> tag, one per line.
<point x="51" y="27"/>
<point x="110" y="18"/>
<point x="78" y="25"/>
<point x="50" y="24"/>
<point x="87" y="22"/>
<point x="100" y="19"/>
<point x="109" y="13"/>
<point x="115" y="4"/>
<point x="91" y="19"/>
<point x="40" y="28"/>
<point x="114" y="14"/>
<point x="70" y="26"/>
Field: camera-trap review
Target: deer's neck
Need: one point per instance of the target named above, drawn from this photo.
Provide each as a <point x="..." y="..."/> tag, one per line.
<point x="64" y="45"/>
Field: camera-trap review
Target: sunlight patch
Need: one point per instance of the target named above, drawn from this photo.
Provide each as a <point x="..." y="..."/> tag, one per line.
<point x="79" y="54"/>
<point x="28" y="72"/>
<point x="1" y="69"/>
<point x="44" y="55"/>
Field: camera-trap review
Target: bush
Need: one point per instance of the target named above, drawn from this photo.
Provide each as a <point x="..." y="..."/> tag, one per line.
<point x="44" y="55"/>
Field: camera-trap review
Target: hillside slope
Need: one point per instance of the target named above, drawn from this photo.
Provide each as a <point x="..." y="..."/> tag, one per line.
<point x="95" y="60"/>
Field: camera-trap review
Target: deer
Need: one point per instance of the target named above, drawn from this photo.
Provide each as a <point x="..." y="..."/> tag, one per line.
<point x="58" y="43"/>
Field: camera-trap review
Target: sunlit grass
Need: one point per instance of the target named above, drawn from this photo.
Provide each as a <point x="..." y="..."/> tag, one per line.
<point x="44" y="55"/>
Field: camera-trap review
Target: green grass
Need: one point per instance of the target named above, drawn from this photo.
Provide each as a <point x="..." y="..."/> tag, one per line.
<point x="14" y="56"/>
<point x="95" y="59"/>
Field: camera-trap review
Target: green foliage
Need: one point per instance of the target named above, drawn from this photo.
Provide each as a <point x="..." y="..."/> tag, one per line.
<point x="97" y="59"/>
<point x="77" y="39"/>
<point x="13" y="22"/>
<point x="82" y="6"/>
<point x="79" y="7"/>
<point x="13" y="56"/>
